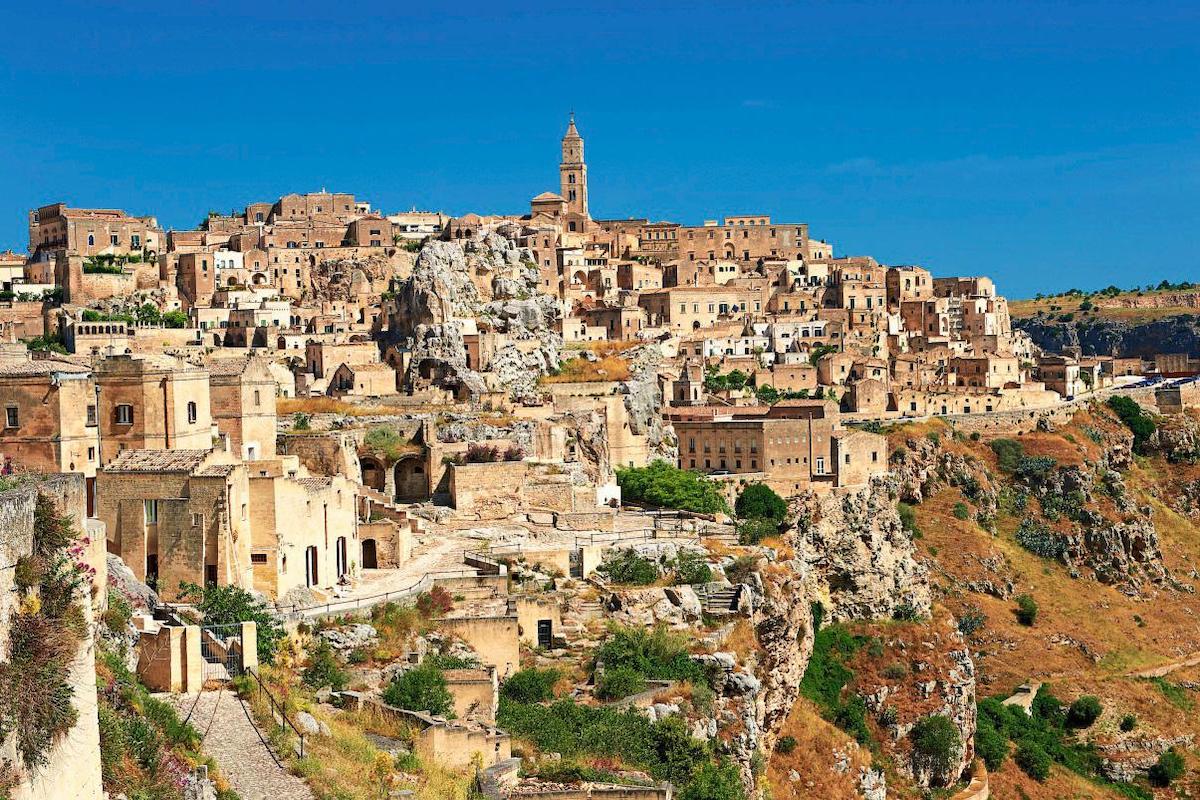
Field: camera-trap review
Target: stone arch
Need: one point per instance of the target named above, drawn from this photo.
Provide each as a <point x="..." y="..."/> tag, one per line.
<point x="412" y="479"/>
<point x="374" y="473"/>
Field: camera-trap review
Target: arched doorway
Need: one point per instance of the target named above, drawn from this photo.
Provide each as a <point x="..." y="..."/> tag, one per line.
<point x="373" y="473"/>
<point x="370" y="558"/>
<point x="412" y="482"/>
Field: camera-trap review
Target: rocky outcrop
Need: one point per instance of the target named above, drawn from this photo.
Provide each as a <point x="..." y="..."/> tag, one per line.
<point x="490" y="285"/>
<point x="349" y="279"/>
<point x="861" y="559"/>
<point x="1179" y="334"/>
<point x="922" y="466"/>
<point x="1177" y="437"/>
<point x="644" y="402"/>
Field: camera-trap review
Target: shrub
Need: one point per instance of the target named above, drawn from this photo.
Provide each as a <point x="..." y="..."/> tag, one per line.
<point x="1034" y="469"/>
<point x="741" y="569"/>
<point x="906" y="612"/>
<point x="1031" y="758"/>
<point x="629" y="567"/>
<point x="1009" y="453"/>
<point x="1134" y="418"/>
<point x="1167" y="769"/>
<point x="663" y="485"/>
<point x="52" y="532"/>
<point x="119" y="612"/>
<point x="827" y="675"/>
<point x="961" y="511"/>
<point x="908" y="519"/>
<point x="301" y="421"/>
<point x="753" y="531"/>
<point x="936" y="745"/>
<point x="1084" y="711"/>
<point x="1040" y="540"/>
<point x="895" y="672"/>
<point x="714" y="782"/>
<point x="971" y="620"/>
<point x="655" y="653"/>
<point x="785" y="745"/>
<point x="1128" y="723"/>
<point x="691" y="567"/>
<point x="420" y="689"/>
<point x="990" y="744"/>
<point x="759" y="501"/>
<point x="323" y="669"/>
<point x="28" y="572"/>
<point x="434" y="603"/>
<point x="531" y="685"/>
<point x="615" y="684"/>
<point x="226" y="605"/>
<point x="1027" y="610"/>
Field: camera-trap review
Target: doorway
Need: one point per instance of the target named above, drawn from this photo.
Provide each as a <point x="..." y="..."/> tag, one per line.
<point x="369" y="558"/>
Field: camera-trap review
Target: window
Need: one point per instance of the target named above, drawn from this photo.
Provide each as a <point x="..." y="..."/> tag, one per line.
<point x="257" y="398"/>
<point x="113" y="239"/>
<point x="191" y="412"/>
<point x="150" y="511"/>
<point x="197" y="520"/>
<point x="91" y="454"/>
<point x="91" y="240"/>
<point x="258" y="558"/>
<point x="135" y="241"/>
<point x="820" y="465"/>
<point x="124" y="414"/>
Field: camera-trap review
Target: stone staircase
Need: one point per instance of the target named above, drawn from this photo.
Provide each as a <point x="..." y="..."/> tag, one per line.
<point x="719" y="600"/>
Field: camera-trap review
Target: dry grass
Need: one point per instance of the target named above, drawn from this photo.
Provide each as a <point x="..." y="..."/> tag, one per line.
<point x="741" y="640"/>
<point x="816" y="744"/>
<point x="1105" y="308"/>
<point x="328" y="405"/>
<point x="580" y="370"/>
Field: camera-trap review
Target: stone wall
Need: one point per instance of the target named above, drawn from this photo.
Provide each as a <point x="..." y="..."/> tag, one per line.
<point x="323" y="453"/>
<point x="73" y="768"/>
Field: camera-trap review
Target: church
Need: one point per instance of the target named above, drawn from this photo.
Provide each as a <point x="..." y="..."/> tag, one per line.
<point x="569" y="208"/>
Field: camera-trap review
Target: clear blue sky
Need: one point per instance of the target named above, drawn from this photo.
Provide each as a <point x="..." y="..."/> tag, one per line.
<point x="1046" y="144"/>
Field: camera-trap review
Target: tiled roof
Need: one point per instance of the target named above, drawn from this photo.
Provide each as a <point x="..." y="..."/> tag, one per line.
<point x="220" y="367"/>
<point x="315" y="484"/>
<point x="216" y="470"/>
<point x="157" y="460"/>
<point x="18" y="369"/>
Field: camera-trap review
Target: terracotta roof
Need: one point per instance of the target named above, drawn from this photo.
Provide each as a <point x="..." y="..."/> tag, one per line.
<point x="157" y="460"/>
<point x="216" y="470"/>
<point x="548" y="196"/>
<point x="20" y="369"/>
<point x="224" y="367"/>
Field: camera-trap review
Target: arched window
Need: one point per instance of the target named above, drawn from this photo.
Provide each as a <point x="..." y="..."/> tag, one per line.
<point x="91" y="240"/>
<point x="571" y="178"/>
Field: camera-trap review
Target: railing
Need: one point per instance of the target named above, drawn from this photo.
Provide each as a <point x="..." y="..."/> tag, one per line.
<point x="355" y="603"/>
<point x="276" y="707"/>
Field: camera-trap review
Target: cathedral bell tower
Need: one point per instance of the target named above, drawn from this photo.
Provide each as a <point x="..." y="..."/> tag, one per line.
<point x="573" y="172"/>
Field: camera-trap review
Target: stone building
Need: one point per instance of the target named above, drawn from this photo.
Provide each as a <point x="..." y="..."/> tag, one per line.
<point x="92" y="231"/>
<point x="152" y="402"/>
<point x="243" y="396"/>
<point x="794" y="445"/>
<point x="49" y="418"/>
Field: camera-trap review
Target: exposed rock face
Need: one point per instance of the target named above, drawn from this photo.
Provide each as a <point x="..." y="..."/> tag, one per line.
<point x="1178" y="438"/>
<point x="644" y="401"/>
<point x="1179" y="334"/>
<point x="351" y="278"/>
<point x="783" y="624"/>
<point x="494" y="282"/>
<point x="861" y="558"/>
<point x="922" y="467"/>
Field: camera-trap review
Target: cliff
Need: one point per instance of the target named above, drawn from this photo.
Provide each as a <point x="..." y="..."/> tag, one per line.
<point x="1177" y="334"/>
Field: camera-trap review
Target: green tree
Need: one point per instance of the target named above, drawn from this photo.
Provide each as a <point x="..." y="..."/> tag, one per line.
<point x="1084" y="711"/>
<point x="666" y="486"/>
<point x="226" y="605"/>
<point x="1027" y="610"/>
<point x="1167" y="769"/>
<point x="1033" y="759"/>
<point x="759" y="501"/>
<point x="1136" y="419"/>
<point x="420" y="689"/>
<point x="937" y="746"/>
<point x="175" y="319"/>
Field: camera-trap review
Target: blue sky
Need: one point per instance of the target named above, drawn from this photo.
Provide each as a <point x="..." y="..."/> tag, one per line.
<point x="1049" y="145"/>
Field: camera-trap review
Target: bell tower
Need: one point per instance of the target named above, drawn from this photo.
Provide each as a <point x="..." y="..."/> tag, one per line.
<point x="573" y="172"/>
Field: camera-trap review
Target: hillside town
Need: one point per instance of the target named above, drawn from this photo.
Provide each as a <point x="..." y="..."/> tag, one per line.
<point x="535" y="461"/>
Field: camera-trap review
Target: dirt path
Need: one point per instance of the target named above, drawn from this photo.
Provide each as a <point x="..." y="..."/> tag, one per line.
<point x="1167" y="669"/>
<point x="233" y="740"/>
